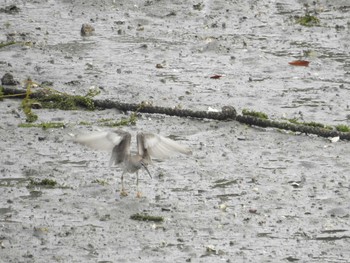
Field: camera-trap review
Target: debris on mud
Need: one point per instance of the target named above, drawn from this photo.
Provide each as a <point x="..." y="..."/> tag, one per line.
<point x="8" y="79"/>
<point x="10" y="9"/>
<point x="146" y="217"/>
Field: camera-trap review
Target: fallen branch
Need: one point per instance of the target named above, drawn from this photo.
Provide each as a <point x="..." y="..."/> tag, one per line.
<point x="227" y="113"/>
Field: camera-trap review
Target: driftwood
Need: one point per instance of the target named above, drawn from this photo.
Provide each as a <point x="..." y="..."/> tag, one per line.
<point x="227" y="113"/>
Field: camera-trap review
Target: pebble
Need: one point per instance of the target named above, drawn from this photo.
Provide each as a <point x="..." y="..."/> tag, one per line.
<point x="87" y="30"/>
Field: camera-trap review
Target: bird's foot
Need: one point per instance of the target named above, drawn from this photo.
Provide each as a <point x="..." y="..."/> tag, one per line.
<point x="123" y="193"/>
<point x="138" y="194"/>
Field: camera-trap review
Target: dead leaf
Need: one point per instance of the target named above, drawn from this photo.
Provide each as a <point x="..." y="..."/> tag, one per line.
<point x="216" y="76"/>
<point x="301" y="63"/>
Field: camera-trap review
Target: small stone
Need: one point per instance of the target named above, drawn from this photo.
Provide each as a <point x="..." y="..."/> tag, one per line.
<point x="198" y="6"/>
<point x="119" y="22"/>
<point x="223" y="207"/>
<point x="87" y="30"/>
<point x="172" y="13"/>
<point x="295" y="184"/>
<point x="160" y="65"/>
<point x="252" y="210"/>
<point x="8" y="79"/>
<point x="140" y="28"/>
<point x="144" y="46"/>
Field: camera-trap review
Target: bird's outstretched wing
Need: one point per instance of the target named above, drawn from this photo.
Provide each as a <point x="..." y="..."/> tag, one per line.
<point x="117" y="142"/>
<point x="153" y="145"/>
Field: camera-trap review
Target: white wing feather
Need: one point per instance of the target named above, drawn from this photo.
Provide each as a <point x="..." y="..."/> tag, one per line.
<point x="99" y="140"/>
<point x="161" y="147"/>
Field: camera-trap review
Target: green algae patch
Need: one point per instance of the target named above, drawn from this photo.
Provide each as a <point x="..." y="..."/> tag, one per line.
<point x="146" y="217"/>
<point x="85" y="123"/>
<point x="308" y="20"/>
<point x="122" y="122"/>
<point x="318" y="125"/>
<point x="110" y="122"/>
<point x="7" y="44"/>
<point x="256" y="114"/>
<point x="1" y="93"/>
<point x="43" y="125"/>
<point x="27" y="102"/>
<point x="223" y="183"/>
<point x="101" y="182"/>
<point x="49" y="183"/>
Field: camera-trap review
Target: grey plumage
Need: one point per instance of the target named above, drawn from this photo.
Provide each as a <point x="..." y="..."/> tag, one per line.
<point x="149" y="146"/>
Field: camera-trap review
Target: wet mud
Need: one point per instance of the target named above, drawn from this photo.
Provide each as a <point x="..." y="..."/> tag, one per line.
<point x="246" y="194"/>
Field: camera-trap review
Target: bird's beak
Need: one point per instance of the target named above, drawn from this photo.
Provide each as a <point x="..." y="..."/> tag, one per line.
<point x="144" y="166"/>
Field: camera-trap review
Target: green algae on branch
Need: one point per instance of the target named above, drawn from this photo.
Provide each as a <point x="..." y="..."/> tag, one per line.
<point x="342" y="128"/>
<point x="112" y="123"/>
<point x="43" y="125"/>
<point x="146" y="217"/>
<point x="311" y="124"/>
<point x="51" y="99"/>
<point x="256" y="114"/>
<point x="308" y="20"/>
<point x="124" y="121"/>
<point x="64" y="101"/>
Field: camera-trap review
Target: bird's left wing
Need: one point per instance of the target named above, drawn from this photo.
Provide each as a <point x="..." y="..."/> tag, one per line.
<point x="158" y="146"/>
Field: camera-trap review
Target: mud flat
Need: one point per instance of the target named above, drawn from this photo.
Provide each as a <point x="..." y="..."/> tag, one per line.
<point x="246" y="194"/>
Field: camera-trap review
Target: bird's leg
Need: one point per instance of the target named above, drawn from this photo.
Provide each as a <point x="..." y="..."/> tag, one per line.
<point x="138" y="193"/>
<point x="123" y="192"/>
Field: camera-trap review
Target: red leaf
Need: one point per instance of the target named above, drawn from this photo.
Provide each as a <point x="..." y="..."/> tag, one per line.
<point x="216" y="76"/>
<point x="302" y="63"/>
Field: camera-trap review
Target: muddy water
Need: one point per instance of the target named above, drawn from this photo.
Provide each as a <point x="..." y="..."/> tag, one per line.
<point x="246" y="194"/>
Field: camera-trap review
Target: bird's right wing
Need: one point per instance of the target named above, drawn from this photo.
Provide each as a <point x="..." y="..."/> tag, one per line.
<point x="158" y="146"/>
<point x="117" y="142"/>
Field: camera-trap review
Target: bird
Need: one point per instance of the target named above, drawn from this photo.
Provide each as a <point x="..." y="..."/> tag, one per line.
<point x="149" y="145"/>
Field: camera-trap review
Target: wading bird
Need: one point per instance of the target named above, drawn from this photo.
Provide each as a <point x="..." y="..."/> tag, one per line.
<point x="118" y="142"/>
